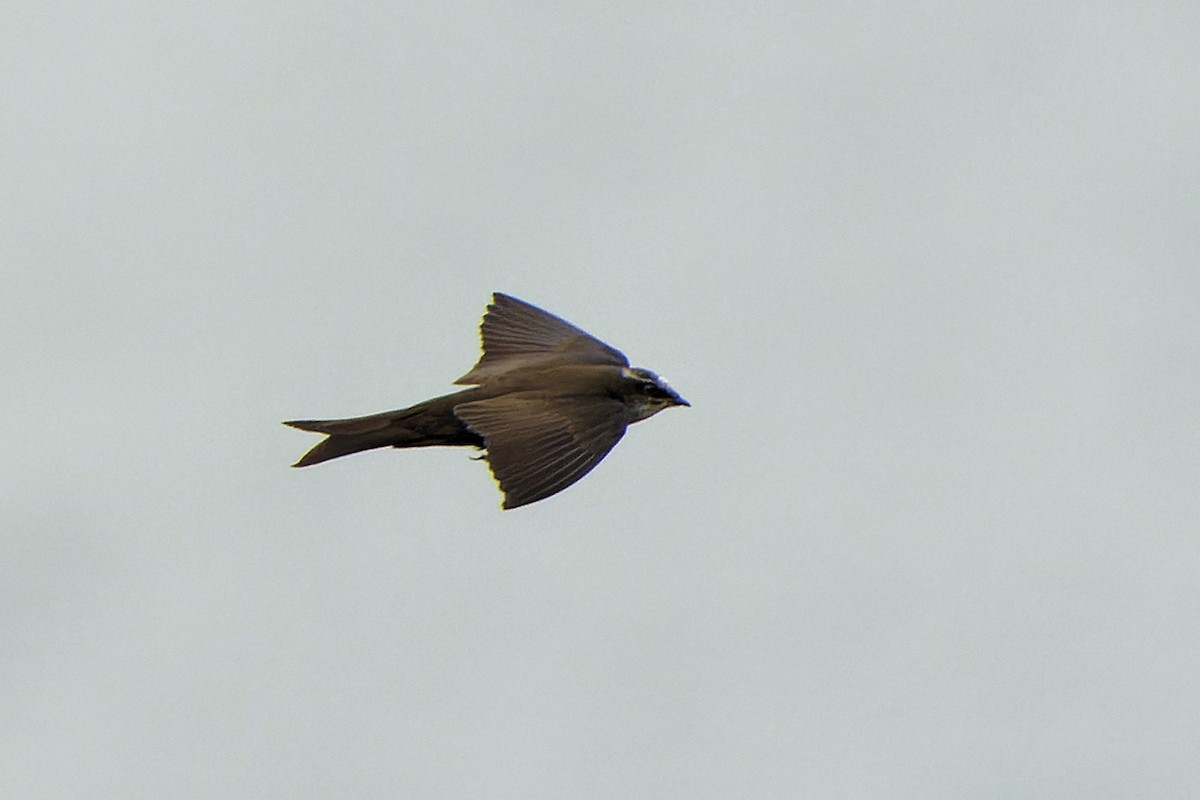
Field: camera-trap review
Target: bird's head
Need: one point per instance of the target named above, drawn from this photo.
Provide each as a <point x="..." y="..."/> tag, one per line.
<point x="645" y="394"/>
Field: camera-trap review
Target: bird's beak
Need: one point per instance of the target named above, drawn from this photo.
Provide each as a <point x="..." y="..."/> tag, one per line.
<point x="679" y="401"/>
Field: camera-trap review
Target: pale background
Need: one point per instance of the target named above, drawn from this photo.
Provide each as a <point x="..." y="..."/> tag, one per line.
<point x="929" y="273"/>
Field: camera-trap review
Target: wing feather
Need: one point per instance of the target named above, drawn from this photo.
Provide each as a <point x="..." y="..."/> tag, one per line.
<point x="517" y="334"/>
<point x="538" y="446"/>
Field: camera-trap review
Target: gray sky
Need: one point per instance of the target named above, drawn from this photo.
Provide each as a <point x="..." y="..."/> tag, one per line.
<point x="929" y="275"/>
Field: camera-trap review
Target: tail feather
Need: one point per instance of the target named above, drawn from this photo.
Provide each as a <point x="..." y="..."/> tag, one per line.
<point x="338" y="444"/>
<point x="423" y="425"/>
<point x="345" y="436"/>
<point x="373" y="422"/>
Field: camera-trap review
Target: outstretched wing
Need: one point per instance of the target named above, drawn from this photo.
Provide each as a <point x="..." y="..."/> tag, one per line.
<point x="536" y="446"/>
<point x="516" y="334"/>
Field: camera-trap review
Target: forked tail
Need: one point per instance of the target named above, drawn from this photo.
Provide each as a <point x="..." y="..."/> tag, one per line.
<point x="344" y="436"/>
<point x="428" y="424"/>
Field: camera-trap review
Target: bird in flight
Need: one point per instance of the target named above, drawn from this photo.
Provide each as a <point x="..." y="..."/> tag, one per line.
<point x="547" y="402"/>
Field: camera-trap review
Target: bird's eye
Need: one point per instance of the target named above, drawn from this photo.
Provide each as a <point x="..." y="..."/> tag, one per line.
<point x="653" y="389"/>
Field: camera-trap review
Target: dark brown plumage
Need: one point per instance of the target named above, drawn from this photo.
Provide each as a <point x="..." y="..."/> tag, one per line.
<point x="548" y="403"/>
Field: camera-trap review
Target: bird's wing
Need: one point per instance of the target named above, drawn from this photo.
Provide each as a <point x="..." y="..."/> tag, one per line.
<point x="537" y="446"/>
<point x="517" y="334"/>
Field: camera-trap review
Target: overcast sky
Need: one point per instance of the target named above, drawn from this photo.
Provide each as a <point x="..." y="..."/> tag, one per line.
<point x="928" y="273"/>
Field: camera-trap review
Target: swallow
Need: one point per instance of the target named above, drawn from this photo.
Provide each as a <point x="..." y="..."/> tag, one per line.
<point x="547" y="403"/>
